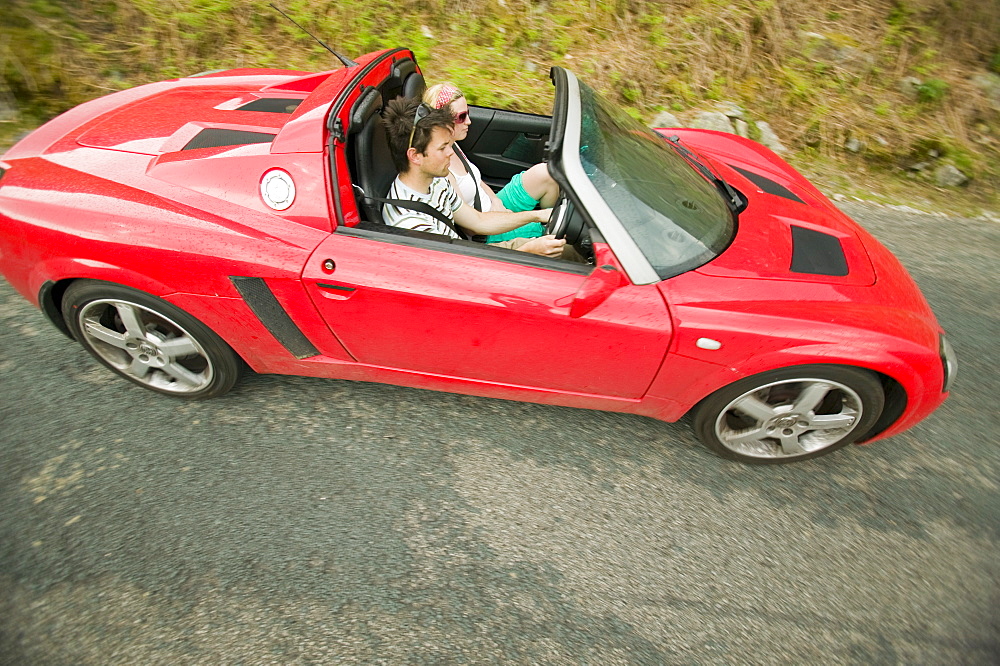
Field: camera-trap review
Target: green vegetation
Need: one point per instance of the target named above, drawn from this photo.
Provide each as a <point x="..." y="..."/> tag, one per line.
<point x="893" y="74"/>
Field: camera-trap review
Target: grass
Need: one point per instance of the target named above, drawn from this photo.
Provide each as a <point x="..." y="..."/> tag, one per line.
<point x="819" y="73"/>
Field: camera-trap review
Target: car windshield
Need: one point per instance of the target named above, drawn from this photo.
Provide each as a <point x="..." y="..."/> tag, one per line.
<point x="677" y="218"/>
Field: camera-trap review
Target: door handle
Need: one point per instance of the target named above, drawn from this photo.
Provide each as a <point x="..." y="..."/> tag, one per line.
<point x="337" y="292"/>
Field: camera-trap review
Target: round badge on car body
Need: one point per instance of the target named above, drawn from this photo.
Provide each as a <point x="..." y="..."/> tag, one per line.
<point x="277" y="189"/>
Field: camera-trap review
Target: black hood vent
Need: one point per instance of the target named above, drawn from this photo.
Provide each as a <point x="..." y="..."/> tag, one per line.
<point x="272" y="105"/>
<point x="768" y="185"/>
<point x="215" y="138"/>
<point x="817" y="253"/>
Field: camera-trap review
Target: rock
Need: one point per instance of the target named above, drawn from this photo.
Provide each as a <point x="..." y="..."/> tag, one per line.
<point x="989" y="83"/>
<point x="949" y="176"/>
<point x="742" y="128"/>
<point x="530" y="66"/>
<point x="666" y="119"/>
<point x="910" y="86"/>
<point x="919" y="166"/>
<point x="713" y="120"/>
<point x="839" y="197"/>
<point x="426" y="32"/>
<point x="731" y="109"/>
<point x="840" y="52"/>
<point x="853" y="145"/>
<point x="769" y="138"/>
<point x="8" y="108"/>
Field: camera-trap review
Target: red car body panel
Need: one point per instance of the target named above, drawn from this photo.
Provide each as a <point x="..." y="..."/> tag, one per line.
<point x="108" y="191"/>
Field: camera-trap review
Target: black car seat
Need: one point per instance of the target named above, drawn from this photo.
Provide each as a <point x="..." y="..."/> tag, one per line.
<point x="410" y="81"/>
<point x="374" y="170"/>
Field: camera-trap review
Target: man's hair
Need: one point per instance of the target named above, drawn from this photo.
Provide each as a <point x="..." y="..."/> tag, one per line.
<point x="398" y="118"/>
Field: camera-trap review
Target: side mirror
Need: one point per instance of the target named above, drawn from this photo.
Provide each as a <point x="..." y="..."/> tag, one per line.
<point x="596" y="289"/>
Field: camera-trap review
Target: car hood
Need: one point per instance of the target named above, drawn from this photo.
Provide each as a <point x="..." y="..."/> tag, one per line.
<point x="170" y="120"/>
<point x="283" y="108"/>
<point x="789" y="230"/>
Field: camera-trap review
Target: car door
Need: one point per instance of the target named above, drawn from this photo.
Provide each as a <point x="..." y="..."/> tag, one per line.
<point x="438" y="308"/>
<point x="504" y="143"/>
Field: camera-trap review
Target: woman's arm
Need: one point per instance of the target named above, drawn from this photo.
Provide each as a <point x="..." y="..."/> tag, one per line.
<point x="497" y="222"/>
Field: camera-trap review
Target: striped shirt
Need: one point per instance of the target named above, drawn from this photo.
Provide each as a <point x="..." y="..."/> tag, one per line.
<point x="442" y="196"/>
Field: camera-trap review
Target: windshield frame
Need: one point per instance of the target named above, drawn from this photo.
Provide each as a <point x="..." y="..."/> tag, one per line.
<point x="566" y="166"/>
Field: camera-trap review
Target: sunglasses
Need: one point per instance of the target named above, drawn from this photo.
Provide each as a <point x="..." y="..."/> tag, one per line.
<point x="418" y="115"/>
<point x="460" y="118"/>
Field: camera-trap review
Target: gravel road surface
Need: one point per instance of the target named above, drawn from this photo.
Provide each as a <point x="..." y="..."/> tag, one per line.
<point x="303" y="521"/>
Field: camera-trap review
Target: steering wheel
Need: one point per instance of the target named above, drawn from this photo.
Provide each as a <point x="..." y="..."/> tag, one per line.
<point x="559" y="218"/>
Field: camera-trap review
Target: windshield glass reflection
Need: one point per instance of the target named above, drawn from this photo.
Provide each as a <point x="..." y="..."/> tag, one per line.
<point x="676" y="217"/>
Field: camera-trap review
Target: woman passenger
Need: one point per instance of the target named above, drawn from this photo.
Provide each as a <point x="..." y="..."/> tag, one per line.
<point x="527" y="190"/>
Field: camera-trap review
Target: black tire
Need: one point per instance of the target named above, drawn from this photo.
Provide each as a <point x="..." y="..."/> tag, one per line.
<point x="149" y="341"/>
<point x="790" y="414"/>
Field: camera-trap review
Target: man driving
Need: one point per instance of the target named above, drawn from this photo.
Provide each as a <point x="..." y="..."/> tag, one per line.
<point x="420" y="139"/>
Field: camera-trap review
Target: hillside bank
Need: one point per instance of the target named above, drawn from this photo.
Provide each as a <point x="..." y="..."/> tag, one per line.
<point x="871" y="98"/>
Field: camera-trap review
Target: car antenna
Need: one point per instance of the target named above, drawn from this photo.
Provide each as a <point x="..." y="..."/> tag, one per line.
<point x="344" y="59"/>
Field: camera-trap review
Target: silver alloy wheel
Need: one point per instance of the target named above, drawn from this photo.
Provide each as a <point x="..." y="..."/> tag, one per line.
<point x="789" y="418"/>
<point x="146" y="346"/>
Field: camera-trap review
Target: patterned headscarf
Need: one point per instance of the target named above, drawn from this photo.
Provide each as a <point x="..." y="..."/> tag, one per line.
<point x="446" y="94"/>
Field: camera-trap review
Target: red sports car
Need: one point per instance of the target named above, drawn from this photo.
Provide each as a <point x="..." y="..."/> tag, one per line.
<point x="182" y="229"/>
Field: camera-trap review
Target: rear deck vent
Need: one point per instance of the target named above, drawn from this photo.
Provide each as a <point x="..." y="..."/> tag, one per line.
<point x="768" y="185"/>
<point x="817" y="253"/>
<point x="272" y="105"/>
<point x="214" y="138"/>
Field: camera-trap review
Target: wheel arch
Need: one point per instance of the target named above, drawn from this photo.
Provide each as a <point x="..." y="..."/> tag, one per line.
<point x="893" y="409"/>
<point x="895" y="390"/>
<point x="157" y="344"/>
<point x="51" y="288"/>
<point x="50" y="297"/>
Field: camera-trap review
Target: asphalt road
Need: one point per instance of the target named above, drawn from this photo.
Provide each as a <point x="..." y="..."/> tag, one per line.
<point x="313" y="521"/>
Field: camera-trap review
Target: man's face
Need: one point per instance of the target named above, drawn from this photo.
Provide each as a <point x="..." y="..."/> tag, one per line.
<point x="436" y="160"/>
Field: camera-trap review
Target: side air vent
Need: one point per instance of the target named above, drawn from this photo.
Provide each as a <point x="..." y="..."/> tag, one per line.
<point x="768" y="185"/>
<point x="214" y="138"/>
<point x="272" y="105"/>
<point x="817" y="253"/>
<point x="265" y="305"/>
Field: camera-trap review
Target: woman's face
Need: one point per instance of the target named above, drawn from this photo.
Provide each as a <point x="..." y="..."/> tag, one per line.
<point x="460" y="109"/>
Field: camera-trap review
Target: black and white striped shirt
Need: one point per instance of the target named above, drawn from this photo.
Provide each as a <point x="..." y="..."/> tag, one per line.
<point x="441" y="196"/>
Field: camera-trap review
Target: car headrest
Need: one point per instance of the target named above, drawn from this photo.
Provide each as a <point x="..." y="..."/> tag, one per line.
<point x="413" y="85"/>
<point x="365" y="108"/>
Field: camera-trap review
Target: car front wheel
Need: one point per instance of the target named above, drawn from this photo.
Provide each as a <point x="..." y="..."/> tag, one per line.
<point x="790" y="414"/>
<point x="149" y="341"/>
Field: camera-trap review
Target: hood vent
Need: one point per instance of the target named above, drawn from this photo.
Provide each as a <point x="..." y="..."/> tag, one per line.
<point x="271" y="105"/>
<point x="768" y="185"/>
<point x="817" y="253"/>
<point x="215" y="138"/>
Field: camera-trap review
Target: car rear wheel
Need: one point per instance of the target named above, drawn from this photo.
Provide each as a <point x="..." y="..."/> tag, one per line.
<point x="149" y="341"/>
<point x="790" y="414"/>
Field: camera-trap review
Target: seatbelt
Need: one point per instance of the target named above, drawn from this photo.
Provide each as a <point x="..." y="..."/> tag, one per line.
<point x="468" y="169"/>
<point x="421" y="207"/>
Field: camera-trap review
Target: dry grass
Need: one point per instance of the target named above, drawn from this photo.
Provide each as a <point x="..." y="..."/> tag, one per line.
<point x="818" y="72"/>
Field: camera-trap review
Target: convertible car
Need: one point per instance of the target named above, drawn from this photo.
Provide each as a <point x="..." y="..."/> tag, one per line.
<point x="182" y="230"/>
